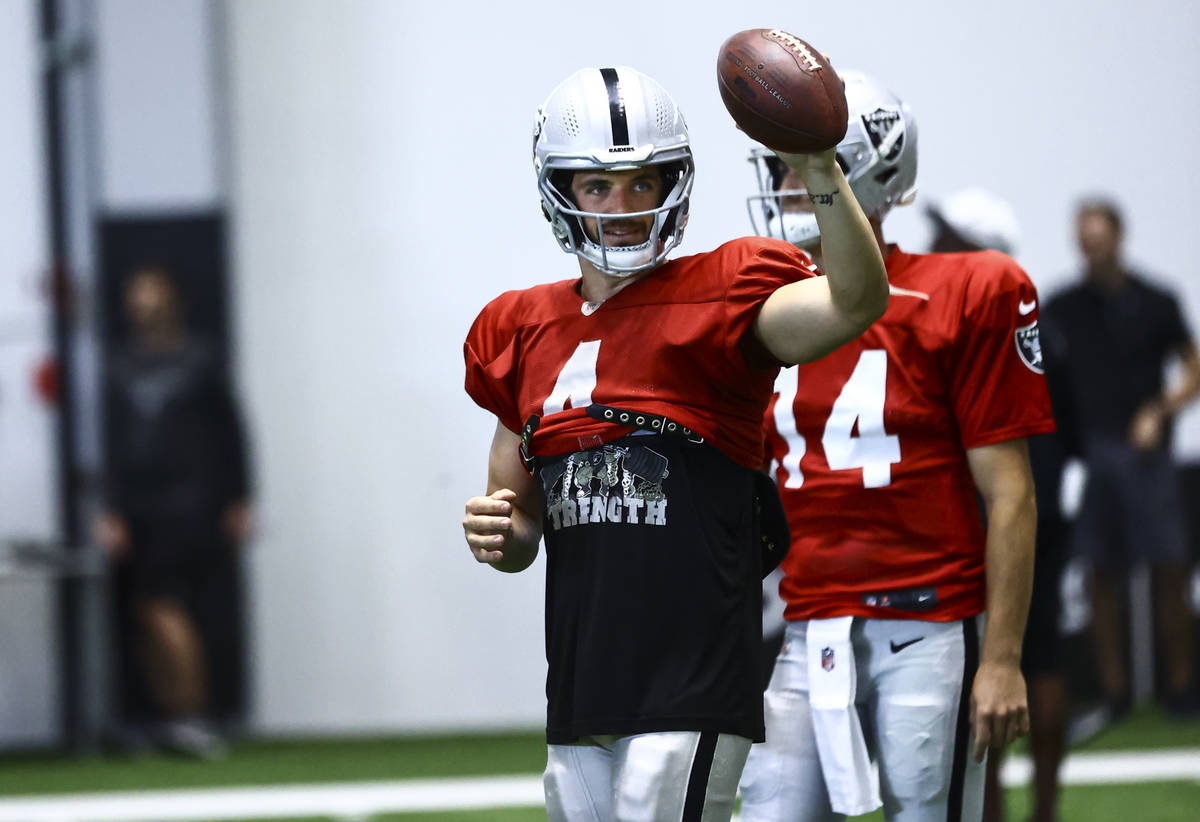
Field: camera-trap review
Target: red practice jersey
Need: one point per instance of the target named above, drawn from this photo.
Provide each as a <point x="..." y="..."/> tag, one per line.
<point x="871" y="441"/>
<point x="677" y="343"/>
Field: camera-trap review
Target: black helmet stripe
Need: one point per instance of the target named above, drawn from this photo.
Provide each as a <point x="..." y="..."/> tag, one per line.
<point x="616" y="108"/>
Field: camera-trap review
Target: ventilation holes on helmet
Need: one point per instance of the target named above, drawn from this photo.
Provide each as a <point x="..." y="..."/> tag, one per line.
<point x="886" y="176"/>
<point x="662" y="113"/>
<point x="570" y="121"/>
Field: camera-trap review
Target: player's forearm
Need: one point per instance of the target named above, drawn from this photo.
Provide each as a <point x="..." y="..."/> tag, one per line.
<point x="1012" y="526"/>
<point x="850" y="253"/>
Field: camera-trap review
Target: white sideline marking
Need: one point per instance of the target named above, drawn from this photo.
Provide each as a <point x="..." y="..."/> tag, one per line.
<point x="360" y="800"/>
<point x="1116" y="767"/>
<point x="343" y="800"/>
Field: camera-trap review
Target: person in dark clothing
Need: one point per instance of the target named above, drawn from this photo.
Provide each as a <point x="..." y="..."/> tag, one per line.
<point x="177" y="495"/>
<point x="1116" y="332"/>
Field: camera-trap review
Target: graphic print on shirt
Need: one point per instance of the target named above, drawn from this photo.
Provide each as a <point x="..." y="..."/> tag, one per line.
<point x="619" y="484"/>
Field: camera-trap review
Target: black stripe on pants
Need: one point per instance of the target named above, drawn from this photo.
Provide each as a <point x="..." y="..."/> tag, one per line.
<point x="697" y="790"/>
<point x="962" y="730"/>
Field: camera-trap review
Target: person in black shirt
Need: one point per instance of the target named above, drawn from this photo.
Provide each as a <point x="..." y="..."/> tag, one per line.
<point x="1114" y="333"/>
<point x="177" y="495"/>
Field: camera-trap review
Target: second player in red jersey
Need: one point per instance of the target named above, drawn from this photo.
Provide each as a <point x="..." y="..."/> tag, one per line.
<point x="880" y="448"/>
<point x="870" y="442"/>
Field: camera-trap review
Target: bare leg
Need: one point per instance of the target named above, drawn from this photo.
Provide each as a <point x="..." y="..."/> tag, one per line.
<point x="1108" y="632"/>
<point x="1048" y="715"/>
<point x="993" y="793"/>
<point x="1174" y="626"/>
<point x="173" y="658"/>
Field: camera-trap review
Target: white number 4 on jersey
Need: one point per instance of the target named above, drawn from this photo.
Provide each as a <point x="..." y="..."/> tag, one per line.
<point x="575" y="382"/>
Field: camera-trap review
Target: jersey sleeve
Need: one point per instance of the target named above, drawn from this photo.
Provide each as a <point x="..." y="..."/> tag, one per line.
<point x="997" y="381"/>
<point x="491" y="360"/>
<point x="770" y="265"/>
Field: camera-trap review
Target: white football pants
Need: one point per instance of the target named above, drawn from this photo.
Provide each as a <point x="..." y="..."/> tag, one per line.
<point x="681" y="776"/>
<point x="914" y="707"/>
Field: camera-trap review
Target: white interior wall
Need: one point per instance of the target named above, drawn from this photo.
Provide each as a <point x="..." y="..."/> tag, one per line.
<point x="28" y="713"/>
<point x="158" y="123"/>
<point x="383" y="193"/>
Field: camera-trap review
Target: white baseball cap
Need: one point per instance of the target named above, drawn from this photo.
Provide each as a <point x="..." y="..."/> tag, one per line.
<point x="981" y="218"/>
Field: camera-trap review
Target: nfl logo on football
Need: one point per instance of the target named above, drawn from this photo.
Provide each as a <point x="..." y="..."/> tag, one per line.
<point x="827" y="659"/>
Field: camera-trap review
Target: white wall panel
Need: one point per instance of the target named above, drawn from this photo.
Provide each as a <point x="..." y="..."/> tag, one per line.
<point x="28" y="713"/>
<point x="159" y="127"/>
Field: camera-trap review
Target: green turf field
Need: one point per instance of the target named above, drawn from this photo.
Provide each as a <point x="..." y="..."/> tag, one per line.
<point x="309" y="762"/>
<point x="1159" y="802"/>
<point x="283" y="763"/>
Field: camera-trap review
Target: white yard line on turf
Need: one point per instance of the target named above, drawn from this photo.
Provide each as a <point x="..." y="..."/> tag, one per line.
<point x="359" y="800"/>
<point x="342" y="800"/>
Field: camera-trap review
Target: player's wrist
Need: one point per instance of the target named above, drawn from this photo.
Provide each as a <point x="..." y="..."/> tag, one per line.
<point x="1007" y="657"/>
<point x="819" y="166"/>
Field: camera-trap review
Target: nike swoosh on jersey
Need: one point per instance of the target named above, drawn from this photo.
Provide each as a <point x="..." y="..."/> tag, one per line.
<point x="898" y="648"/>
<point x="1024" y="308"/>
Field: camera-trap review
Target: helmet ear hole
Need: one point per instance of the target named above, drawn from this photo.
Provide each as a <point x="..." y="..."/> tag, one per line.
<point x="671" y="174"/>
<point x="561" y="181"/>
<point x="887" y="175"/>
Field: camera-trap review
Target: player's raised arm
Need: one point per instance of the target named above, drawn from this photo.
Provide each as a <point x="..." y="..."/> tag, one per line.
<point x="503" y="529"/>
<point x="802" y="118"/>
<point x="804" y="321"/>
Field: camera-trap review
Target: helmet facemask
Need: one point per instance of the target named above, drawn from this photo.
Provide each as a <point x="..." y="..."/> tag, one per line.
<point x="773" y="211"/>
<point x="670" y="218"/>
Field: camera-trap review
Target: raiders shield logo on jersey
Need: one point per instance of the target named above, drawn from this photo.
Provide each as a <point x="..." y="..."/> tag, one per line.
<point x="1029" y="346"/>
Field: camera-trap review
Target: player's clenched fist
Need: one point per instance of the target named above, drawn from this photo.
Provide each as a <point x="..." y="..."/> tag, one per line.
<point x="488" y="524"/>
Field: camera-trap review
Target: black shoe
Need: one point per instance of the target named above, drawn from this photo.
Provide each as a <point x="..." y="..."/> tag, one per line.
<point x="1119" y="707"/>
<point x="132" y="740"/>
<point x="1182" y="706"/>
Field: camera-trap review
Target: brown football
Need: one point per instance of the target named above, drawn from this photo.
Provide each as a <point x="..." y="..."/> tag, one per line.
<point x="781" y="91"/>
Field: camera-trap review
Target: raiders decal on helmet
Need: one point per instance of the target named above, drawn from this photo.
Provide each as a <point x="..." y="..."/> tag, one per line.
<point x="885" y="126"/>
<point x="1029" y="346"/>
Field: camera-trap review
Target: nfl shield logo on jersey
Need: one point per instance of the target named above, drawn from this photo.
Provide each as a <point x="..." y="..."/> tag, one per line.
<point x="1029" y="346"/>
<point x="827" y="659"/>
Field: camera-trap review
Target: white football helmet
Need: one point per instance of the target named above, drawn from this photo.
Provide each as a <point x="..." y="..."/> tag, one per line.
<point x="612" y="119"/>
<point x="878" y="155"/>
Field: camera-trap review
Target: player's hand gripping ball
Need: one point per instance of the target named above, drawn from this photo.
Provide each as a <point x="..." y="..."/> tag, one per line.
<point x="781" y="91"/>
